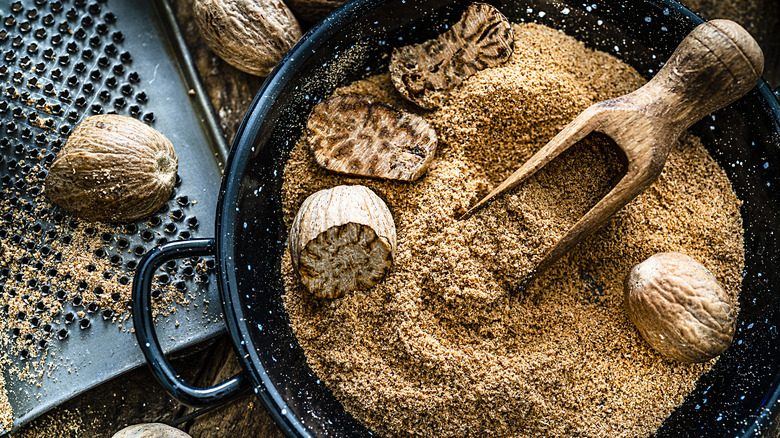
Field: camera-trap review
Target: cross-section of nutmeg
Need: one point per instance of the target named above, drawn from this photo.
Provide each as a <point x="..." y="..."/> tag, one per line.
<point x="357" y="136"/>
<point x="423" y="73"/>
<point x="680" y="308"/>
<point x="341" y="240"/>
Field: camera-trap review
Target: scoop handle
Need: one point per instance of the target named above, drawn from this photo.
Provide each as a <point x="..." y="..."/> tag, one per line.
<point x="716" y="64"/>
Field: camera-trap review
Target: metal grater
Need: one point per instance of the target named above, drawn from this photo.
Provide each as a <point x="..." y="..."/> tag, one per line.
<point x="60" y="62"/>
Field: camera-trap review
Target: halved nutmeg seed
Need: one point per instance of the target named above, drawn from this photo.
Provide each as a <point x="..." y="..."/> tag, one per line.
<point x="357" y="136"/>
<point x="424" y="72"/>
<point x="342" y="239"/>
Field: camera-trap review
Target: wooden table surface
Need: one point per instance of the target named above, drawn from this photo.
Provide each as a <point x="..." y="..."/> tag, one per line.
<point x="135" y="397"/>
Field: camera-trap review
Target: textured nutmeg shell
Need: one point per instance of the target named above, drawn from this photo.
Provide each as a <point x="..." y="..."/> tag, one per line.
<point x="112" y="169"/>
<point x="680" y="308"/>
<point x="250" y="35"/>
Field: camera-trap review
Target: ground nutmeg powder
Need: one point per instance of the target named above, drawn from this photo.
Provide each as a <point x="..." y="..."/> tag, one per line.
<point x="454" y="342"/>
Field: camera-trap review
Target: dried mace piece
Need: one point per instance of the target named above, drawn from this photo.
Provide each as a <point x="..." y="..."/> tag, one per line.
<point x="356" y="136"/>
<point x="114" y="169"/>
<point x="342" y="239"/>
<point x="250" y="35"/>
<point x="680" y="308"/>
<point x="423" y="73"/>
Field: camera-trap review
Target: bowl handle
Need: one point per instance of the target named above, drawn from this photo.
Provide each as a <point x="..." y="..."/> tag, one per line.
<point x="147" y="336"/>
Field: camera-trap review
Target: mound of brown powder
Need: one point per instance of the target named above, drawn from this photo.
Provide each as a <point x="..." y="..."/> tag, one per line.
<point x="450" y="344"/>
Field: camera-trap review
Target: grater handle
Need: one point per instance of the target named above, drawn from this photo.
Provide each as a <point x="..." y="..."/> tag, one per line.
<point x="147" y="336"/>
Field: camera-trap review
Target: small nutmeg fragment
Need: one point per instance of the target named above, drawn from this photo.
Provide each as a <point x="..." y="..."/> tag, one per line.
<point x="112" y="169"/>
<point x="250" y="35"/>
<point x="357" y="136"/>
<point x="150" y="430"/>
<point x="423" y="73"/>
<point x="680" y="308"/>
<point x="342" y="239"/>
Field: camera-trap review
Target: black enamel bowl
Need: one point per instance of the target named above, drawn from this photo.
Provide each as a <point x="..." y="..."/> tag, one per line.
<point x="737" y="398"/>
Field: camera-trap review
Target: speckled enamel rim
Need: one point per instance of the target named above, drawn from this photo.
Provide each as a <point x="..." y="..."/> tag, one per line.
<point x="223" y="245"/>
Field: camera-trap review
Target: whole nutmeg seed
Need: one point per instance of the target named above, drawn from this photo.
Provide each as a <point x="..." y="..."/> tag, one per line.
<point x="250" y="35"/>
<point x="680" y="308"/>
<point x="342" y="239"/>
<point x="113" y="169"/>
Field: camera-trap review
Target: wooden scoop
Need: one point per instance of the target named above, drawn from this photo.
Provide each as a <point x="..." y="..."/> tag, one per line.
<point x="717" y="63"/>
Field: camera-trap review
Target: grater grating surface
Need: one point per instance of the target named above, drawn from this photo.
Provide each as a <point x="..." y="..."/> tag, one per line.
<point x="64" y="283"/>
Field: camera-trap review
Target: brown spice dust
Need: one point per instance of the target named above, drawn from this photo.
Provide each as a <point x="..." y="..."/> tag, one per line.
<point x="59" y="274"/>
<point x="51" y="258"/>
<point x="449" y="345"/>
